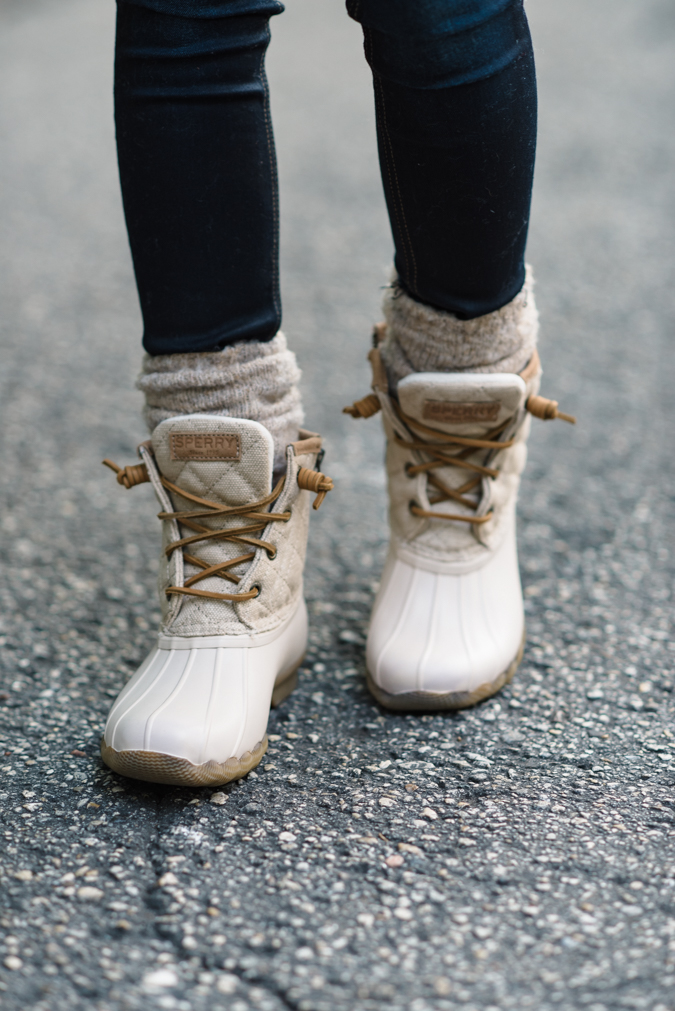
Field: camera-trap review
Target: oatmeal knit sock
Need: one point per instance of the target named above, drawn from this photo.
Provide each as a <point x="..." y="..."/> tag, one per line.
<point x="253" y="380"/>
<point x="420" y="338"/>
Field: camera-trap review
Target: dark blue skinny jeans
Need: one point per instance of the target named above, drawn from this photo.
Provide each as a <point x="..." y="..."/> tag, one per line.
<point x="455" y="99"/>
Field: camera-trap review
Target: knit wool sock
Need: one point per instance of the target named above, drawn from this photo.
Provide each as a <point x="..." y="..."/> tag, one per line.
<point x="254" y="380"/>
<point x="420" y="338"/>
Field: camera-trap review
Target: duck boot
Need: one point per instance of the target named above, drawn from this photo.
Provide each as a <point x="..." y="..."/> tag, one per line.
<point x="447" y="626"/>
<point x="234" y="621"/>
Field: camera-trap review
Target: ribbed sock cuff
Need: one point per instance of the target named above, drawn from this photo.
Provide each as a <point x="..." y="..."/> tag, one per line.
<point x="252" y="380"/>
<point x="420" y="338"/>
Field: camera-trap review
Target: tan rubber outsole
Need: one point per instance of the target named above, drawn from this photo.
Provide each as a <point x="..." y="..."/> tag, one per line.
<point x="433" y="702"/>
<point x="154" y="767"/>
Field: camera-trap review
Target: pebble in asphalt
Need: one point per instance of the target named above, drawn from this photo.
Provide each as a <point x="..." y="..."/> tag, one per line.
<point x="516" y="855"/>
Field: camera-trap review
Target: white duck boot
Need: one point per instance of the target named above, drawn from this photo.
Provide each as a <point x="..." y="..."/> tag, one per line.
<point x="234" y="622"/>
<point x="447" y="627"/>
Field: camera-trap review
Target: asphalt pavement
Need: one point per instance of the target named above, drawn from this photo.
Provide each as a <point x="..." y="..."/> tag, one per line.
<point x="518" y="855"/>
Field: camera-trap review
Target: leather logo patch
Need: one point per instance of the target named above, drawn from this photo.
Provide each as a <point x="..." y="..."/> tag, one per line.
<point x="445" y="411"/>
<point x="204" y="446"/>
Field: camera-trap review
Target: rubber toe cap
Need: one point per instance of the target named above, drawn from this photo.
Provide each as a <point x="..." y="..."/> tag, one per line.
<point x="439" y="633"/>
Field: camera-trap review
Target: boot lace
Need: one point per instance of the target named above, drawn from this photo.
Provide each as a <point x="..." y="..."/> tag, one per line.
<point x="255" y="517"/>
<point x="439" y="453"/>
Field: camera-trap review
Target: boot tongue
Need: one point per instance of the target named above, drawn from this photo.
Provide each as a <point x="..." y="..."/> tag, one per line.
<point x="224" y="460"/>
<point x="468" y="404"/>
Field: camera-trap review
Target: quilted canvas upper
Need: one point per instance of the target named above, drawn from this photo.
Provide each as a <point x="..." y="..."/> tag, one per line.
<point x="469" y="405"/>
<point x="240" y="476"/>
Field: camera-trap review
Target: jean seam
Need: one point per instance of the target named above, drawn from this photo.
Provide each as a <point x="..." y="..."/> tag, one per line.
<point x="271" y="154"/>
<point x="395" y="187"/>
<point x="390" y="164"/>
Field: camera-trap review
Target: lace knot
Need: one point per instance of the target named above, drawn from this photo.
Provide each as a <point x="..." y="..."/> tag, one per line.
<point x="129" y="476"/>
<point x="364" y="408"/>
<point x="314" y="480"/>
<point x="547" y="410"/>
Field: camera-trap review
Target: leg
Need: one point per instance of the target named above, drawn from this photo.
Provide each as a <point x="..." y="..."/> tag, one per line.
<point x="198" y="174"/>
<point x="198" y="171"/>
<point x="227" y="458"/>
<point x="456" y="111"/>
<point x="456" y="116"/>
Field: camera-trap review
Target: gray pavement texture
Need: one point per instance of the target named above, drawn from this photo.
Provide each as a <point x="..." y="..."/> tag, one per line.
<point x="516" y="855"/>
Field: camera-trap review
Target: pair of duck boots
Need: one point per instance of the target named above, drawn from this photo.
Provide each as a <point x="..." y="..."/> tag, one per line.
<point x="447" y="626"/>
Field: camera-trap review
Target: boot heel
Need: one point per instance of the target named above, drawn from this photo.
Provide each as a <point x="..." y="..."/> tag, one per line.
<point x="284" y="685"/>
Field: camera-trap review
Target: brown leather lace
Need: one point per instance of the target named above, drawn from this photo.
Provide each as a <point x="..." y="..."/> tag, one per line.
<point x="255" y="513"/>
<point x="244" y="535"/>
<point x="440" y="456"/>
